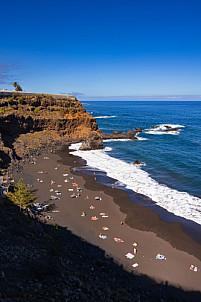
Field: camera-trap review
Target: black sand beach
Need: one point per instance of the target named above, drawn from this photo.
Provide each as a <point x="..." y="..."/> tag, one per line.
<point x="140" y="225"/>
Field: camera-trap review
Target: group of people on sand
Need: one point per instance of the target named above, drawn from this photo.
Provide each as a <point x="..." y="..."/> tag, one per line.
<point x="92" y="207"/>
<point x="105" y="228"/>
<point x="103" y="215"/>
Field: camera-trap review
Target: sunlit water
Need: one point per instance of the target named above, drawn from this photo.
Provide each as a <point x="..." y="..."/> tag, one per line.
<point x="171" y="171"/>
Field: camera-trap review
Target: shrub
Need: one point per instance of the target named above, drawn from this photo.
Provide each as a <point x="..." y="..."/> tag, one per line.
<point x="36" y="110"/>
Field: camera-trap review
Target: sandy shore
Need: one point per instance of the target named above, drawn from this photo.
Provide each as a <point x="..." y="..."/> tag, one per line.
<point x="166" y="239"/>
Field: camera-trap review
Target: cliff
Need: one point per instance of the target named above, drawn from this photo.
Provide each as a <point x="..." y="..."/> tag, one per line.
<point x="30" y="121"/>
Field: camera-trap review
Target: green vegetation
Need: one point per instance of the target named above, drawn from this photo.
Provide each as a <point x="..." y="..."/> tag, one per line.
<point x="22" y="195"/>
<point x="38" y="97"/>
<point x="36" y="110"/>
<point x="17" y="86"/>
<point x="22" y="100"/>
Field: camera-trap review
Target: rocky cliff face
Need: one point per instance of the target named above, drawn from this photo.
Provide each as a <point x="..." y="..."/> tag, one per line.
<point x="24" y="114"/>
<point x="25" y="119"/>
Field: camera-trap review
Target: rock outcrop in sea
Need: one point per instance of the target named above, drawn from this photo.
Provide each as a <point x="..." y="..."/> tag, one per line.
<point x="137" y="162"/>
<point x="118" y="135"/>
<point x="96" y="142"/>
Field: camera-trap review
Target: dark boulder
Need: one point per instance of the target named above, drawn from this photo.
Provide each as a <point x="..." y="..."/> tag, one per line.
<point x="94" y="143"/>
<point x="118" y="135"/>
<point x="138" y="129"/>
<point x="137" y="162"/>
<point x="131" y="134"/>
<point x="171" y="130"/>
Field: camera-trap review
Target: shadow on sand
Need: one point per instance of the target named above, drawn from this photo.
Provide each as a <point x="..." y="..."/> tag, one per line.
<point x="43" y="262"/>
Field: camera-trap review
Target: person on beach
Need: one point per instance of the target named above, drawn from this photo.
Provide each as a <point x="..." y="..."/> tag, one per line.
<point x="121" y="223"/>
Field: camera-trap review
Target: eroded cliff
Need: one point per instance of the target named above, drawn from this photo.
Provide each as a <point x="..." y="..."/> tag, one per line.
<point x="28" y="122"/>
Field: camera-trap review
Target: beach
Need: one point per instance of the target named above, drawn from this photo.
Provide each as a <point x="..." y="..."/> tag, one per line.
<point x="135" y="234"/>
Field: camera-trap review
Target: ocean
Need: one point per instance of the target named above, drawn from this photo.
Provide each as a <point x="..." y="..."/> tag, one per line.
<point x="169" y="178"/>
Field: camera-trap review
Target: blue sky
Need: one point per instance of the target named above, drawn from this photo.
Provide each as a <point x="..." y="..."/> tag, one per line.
<point x="102" y="48"/>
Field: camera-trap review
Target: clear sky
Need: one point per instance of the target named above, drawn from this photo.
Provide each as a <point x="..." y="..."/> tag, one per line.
<point x="102" y="48"/>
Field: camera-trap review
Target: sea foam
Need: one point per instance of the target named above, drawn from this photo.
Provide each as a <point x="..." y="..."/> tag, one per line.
<point x="117" y="140"/>
<point x="156" y="132"/>
<point x="107" y="149"/>
<point x="160" y="129"/>
<point x="180" y="203"/>
<point x="141" y="138"/>
<point x="105" y="116"/>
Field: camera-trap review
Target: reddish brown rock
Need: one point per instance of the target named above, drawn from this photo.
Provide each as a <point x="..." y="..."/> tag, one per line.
<point x="137" y="162"/>
<point x="138" y="129"/>
<point x="171" y="130"/>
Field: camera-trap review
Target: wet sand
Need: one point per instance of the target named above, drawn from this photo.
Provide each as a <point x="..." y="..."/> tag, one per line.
<point x="140" y="224"/>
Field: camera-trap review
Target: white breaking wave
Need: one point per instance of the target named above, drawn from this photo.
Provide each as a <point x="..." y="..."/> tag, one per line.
<point x="141" y="138"/>
<point x="160" y="129"/>
<point x="106" y="116"/>
<point x="166" y="127"/>
<point x="116" y="140"/>
<point x="162" y="132"/>
<point x="107" y="149"/>
<point x="180" y="203"/>
<point x="118" y="183"/>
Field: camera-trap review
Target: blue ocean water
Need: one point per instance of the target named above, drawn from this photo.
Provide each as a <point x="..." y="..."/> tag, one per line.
<point x="171" y="174"/>
<point x="174" y="160"/>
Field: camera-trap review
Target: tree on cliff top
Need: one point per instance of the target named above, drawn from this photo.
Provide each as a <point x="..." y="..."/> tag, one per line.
<point x="17" y="86"/>
<point x="22" y="195"/>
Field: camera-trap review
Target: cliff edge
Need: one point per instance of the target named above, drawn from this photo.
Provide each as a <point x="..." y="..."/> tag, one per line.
<point x="29" y="122"/>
